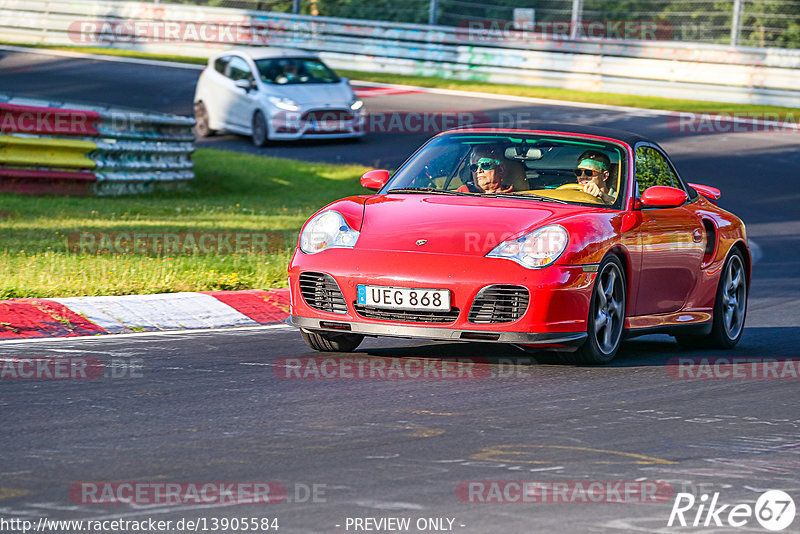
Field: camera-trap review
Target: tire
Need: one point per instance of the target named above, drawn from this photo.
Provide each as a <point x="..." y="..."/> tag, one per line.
<point x="260" y="129"/>
<point x="201" y="128"/>
<point x="606" y="320"/>
<point x="730" y="308"/>
<point x="331" y="342"/>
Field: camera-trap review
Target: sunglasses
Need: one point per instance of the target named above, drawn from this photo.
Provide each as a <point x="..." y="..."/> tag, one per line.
<point x="484" y="164"/>
<point x="587" y="172"/>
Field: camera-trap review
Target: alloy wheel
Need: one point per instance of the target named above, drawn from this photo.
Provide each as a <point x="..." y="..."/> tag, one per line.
<point x="610" y="309"/>
<point x="734" y="297"/>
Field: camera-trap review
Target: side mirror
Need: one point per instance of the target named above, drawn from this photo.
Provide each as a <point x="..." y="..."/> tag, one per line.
<point x="375" y="180"/>
<point x="661" y="196"/>
<point x="711" y="193"/>
<point x="345" y="80"/>
<point x="247" y="85"/>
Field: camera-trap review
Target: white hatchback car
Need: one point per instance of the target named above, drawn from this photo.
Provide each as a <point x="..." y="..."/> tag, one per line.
<point x="275" y="94"/>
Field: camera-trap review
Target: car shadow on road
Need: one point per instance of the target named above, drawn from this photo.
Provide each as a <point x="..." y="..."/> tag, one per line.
<point x="645" y="351"/>
<point x="757" y="342"/>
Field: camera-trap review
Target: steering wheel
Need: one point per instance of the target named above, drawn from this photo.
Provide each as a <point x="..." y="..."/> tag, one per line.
<point x="572" y="187"/>
<point x="429" y="179"/>
<point x="579" y="188"/>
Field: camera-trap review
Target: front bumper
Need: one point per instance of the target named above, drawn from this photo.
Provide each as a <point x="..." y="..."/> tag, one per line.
<point x="288" y="126"/>
<point x="444" y="334"/>
<point x="556" y="313"/>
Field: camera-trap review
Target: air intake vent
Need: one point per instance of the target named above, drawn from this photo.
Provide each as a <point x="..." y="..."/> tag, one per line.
<point x="321" y="292"/>
<point x="499" y="304"/>
<point x="339" y="115"/>
<point x="407" y="316"/>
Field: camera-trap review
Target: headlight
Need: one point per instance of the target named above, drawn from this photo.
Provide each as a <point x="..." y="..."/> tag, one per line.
<point x="327" y="230"/>
<point x="284" y="103"/>
<point x="356" y="105"/>
<point x="537" y="249"/>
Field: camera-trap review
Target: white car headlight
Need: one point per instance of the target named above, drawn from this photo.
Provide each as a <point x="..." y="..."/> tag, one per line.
<point x="284" y="103"/>
<point x="327" y="230"/>
<point x="535" y="250"/>
<point x="357" y="104"/>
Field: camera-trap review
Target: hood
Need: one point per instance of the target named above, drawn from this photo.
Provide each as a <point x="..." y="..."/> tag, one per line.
<point x="334" y="95"/>
<point x="451" y="224"/>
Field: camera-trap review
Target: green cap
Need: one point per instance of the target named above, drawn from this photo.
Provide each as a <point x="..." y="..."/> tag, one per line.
<point x="593" y="164"/>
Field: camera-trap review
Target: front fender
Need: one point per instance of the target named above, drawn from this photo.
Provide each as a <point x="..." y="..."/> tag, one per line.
<point x="592" y="236"/>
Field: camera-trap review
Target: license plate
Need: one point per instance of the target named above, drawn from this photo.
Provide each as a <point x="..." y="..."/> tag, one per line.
<point x="404" y="298"/>
<point x="326" y="126"/>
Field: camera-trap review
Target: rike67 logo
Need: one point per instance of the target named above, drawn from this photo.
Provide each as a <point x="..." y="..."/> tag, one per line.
<point x="774" y="510"/>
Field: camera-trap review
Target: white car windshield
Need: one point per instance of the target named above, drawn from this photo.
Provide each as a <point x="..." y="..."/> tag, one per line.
<point x="281" y="71"/>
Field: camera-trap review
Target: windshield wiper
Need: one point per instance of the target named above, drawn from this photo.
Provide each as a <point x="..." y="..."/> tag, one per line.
<point x="462" y="193"/>
<point x="424" y="190"/>
<point x="526" y="195"/>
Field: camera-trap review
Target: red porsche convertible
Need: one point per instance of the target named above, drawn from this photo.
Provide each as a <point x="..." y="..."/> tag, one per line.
<point x="567" y="239"/>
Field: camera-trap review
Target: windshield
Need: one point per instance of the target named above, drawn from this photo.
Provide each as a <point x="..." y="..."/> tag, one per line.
<point x="284" y="70"/>
<point x="536" y="167"/>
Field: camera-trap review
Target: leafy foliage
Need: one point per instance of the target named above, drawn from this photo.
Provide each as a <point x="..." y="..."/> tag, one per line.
<point x="651" y="169"/>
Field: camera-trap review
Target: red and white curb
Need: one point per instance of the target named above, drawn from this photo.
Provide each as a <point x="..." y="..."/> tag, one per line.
<point x="384" y="90"/>
<point x="90" y="316"/>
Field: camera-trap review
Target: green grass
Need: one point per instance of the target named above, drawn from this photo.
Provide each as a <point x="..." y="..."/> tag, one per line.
<point x="231" y="192"/>
<point x="636" y="101"/>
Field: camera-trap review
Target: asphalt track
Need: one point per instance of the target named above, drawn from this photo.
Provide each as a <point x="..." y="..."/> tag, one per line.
<point x="212" y="406"/>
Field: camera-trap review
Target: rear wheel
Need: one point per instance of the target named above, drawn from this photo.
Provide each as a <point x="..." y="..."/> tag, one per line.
<point x="260" y="129"/>
<point x="331" y="342"/>
<point x="730" y="308"/>
<point x="606" y="316"/>
<point x="201" y="128"/>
